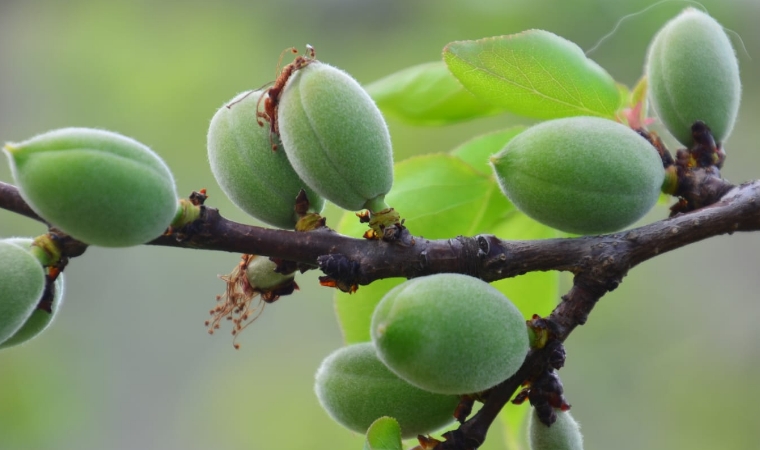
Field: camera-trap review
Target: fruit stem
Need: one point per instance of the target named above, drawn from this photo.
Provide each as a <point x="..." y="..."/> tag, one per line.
<point x="670" y="183"/>
<point x="8" y="147"/>
<point x="187" y="212"/>
<point x="376" y="204"/>
<point x="46" y="250"/>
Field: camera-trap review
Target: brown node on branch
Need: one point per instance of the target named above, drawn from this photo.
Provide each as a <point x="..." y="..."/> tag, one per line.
<point x="456" y="439"/>
<point x="426" y="443"/>
<point x="188" y="221"/>
<point x="340" y="272"/>
<point x="198" y="198"/>
<point x="363" y="216"/>
<point x="545" y="393"/>
<point x="48" y="295"/>
<point x="272" y="96"/>
<point x="333" y="283"/>
<point x="542" y="331"/>
<point x="699" y="182"/>
<point x="237" y="304"/>
<point x="464" y="408"/>
<point x="307" y="221"/>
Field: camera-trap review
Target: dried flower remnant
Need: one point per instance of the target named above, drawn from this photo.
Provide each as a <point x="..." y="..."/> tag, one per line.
<point x="244" y="299"/>
<point x="272" y="100"/>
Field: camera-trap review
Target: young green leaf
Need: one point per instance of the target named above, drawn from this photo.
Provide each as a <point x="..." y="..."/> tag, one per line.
<point x="428" y="94"/>
<point x="534" y="73"/>
<point x="383" y="434"/>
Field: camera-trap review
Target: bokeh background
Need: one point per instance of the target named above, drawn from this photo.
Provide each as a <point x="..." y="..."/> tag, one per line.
<point x="671" y="359"/>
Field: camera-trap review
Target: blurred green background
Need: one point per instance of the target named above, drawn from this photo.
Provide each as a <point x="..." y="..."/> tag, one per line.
<point x="670" y="359"/>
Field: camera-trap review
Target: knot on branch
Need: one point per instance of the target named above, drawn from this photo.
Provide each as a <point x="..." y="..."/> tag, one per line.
<point x="545" y="393"/>
<point x="697" y="172"/>
<point x="340" y="272"/>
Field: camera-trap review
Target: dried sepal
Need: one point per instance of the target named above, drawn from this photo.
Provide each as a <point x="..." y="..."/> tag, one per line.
<point x="244" y="299"/>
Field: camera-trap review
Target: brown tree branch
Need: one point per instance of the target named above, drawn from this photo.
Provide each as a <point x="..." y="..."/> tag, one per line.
<point x="483" y="256"/>
<point x="10" y="199"/>
<point x="598" y="262"/>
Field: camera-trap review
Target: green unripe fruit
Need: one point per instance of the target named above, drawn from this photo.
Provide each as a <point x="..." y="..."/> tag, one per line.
<point x="22" y="283"/>
<point x="449" y="333"/>
<point x="261" y="274"/>
<point x="581" y="175"/>
<point x="694" y="75"/>
<point x="100" y="187"/>
<point x="564" y="434"/>
<point x="40" y="319"/>
<point x="336" y="137"/>
<point x="356" y="389"/>
<point x="258" y="180"/>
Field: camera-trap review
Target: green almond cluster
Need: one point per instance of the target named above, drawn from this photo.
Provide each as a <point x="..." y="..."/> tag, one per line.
<point x="356" y="389"/>
<point x="449" y="334"/>
<point x="336" y="138"/>
<point x="563" y="434"/>
<point x="40" y="319"/>
<point x="258" y="180"/>
<point x="100" y="187"/>
<point x="693" y="75"/>
<point x="582" y="175"/>
<point x="22" y="283"/>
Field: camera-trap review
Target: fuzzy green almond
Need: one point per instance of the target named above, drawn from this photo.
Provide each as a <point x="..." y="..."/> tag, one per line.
<point x="694" y="75"/>
<point x="449" y="333"/>
<point x="100" y="187"/>
<point x="261" y="274"/>
<point x="582" y="175"/>
<point x="22" y="283"/>
<point x="258" y="180"/>
<point x="336" y="138"/>
<point x="563" y="434"/>
<point x="356" y="389"/>
<point x="40" y="319"/>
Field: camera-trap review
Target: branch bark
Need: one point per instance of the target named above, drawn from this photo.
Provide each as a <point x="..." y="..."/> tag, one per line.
<point x="483" y="256"/>
<point x="598" y="262"/>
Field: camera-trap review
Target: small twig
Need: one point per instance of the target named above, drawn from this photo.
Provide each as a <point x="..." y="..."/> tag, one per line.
<point x="10" y="199"/>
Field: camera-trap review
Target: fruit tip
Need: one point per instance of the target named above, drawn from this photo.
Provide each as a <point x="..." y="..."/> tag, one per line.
<point x="10" y="147"/>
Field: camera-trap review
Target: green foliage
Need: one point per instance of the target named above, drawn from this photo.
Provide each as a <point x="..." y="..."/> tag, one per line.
<point x="564" y="434"/>
<point x="535" y="74"/>
<point x="356" y="389"/>
<point x="383" y="434"/>
<point x="22" y="282"/>
<point x="335" y="136"/>
<point x="100" y="187"/>
<point x="40" y="319"/>
<point x="477" y="151"/>
<point x="257" y="179"/>
<point x="694" y="75"/>
<point x="425" y="331"/>
<point x="428" y="94"/>
<point x="581" y="175"/>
